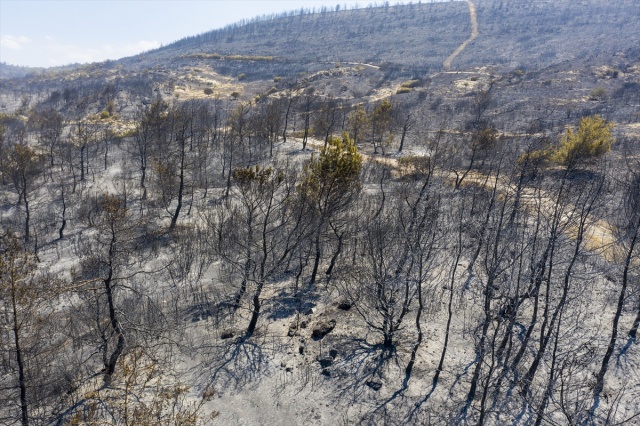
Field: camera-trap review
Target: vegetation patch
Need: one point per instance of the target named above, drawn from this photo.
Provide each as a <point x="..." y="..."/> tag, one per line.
<point x="411" y="84"/>
<point x="590" y="141"/>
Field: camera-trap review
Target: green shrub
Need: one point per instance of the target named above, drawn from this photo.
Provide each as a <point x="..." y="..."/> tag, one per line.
<point x="534" y="159"/>
<point x="203" y="56"/>
<point x="410" y="84"/>
<point x="597" y="94"/>
<point x="592" y="140"/>
<point x="249" y="58"/>
<point x="402" y="90"/>
<point x="415" y="164"/>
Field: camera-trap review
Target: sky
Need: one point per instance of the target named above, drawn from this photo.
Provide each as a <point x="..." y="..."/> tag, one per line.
<point x="44" y="33"/>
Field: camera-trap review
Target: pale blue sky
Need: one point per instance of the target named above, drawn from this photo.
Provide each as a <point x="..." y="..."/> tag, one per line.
<point x="57" y="32"/>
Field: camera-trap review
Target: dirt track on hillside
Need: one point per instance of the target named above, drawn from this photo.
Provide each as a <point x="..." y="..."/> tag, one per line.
<point x="446" y="65"/>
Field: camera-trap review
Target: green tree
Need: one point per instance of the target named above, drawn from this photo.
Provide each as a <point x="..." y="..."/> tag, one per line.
<point x="381" y="125"/>
<point x="357" y="122"/>
<point x="330" y="178"/>
<point x="592" y="140"/>
<point x="329" y="184"/>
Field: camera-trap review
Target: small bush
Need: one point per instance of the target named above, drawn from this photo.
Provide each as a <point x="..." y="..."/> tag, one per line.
<point x="203" y="56"/>
<point x="127" y="133"/>
<point x="249" y="58"/>
<point x="410" y="84"/>
<point x="534" y="159"/>
<point x="597" y="94"/>
<point x="208" y="91"/>
<point x="242" y="77"/>
<point x="415" y="164"/>
<point x="402" y="90"/>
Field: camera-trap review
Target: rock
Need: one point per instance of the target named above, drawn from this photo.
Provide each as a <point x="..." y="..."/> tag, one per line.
<point x="226" y="335"/>
<point x="374" y="384"/>
<point x="345" y="305"/>
<point x="322" y="329"/>
<point x="293" y="329"/>
<point x="325" y="361"/>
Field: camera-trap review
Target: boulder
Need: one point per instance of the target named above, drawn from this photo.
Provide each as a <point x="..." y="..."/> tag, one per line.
<point x="325" y="361"/>
<point x="374" y="384"/>
<point x="345" y="305"/>
<point x="226" y="335"/>
<point x="323" y="328"/>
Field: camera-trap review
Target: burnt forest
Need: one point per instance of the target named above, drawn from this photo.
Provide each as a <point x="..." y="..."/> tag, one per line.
<point x="397" y="214"/>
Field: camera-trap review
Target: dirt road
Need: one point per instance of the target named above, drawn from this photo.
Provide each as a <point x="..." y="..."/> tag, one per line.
<point x="474" y="34"/>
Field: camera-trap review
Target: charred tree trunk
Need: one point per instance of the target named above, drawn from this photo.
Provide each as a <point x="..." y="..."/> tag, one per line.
<point x="22" y="381"/>
<point x="63" y="225"/>
<point x="614" y="327"/>
<point x="27" y="211"/>
<point x="174" y="219"/>
<point x="114" y="321"/>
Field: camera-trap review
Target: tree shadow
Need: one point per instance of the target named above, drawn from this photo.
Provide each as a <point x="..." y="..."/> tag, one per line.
<point x="622" y="355"/>
<point x="360" y="374"/>
<point x="234" y="363"/>
<point x="287" y="304"/>
<point x="209" y="310"/>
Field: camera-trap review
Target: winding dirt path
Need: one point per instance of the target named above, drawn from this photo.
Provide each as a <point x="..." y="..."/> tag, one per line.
<point x="474" y="34"/>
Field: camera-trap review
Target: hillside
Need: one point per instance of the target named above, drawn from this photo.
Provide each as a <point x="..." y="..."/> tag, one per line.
<point x="416" y="214"/>
<point x="531" y="35"/>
